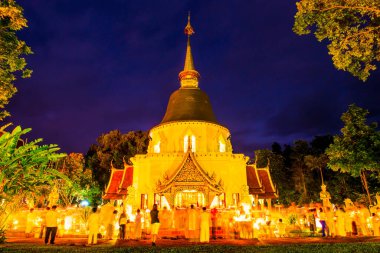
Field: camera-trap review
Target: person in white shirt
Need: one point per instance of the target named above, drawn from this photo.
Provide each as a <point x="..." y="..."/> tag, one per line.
<point x="51" y="225"/>
<point x="111" y="225"/>
<point x="93" y="226"/>
<point x="30" y="219"/>
<point x="138" y="225"/>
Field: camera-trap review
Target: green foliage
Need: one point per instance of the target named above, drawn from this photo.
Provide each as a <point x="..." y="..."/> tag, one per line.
<point x="12" y="51"/>
<point x="80" y="186"/>
<point x="293" y="170"/>
<point x="114" y="146"/>
<point x="351" y="27"/>
<point x="25" y="170"/>
<point x="357" y="150"/>
<point x="318" y="162"/>
<point x="276" y="164"/>
<point x="292" y="219"/>
<point x="2" y="235"/>
<point x="24" y="167"/>
<point x="301" y="174"/>
<point x="358" y="147"/>
<point x="85" y="213"/>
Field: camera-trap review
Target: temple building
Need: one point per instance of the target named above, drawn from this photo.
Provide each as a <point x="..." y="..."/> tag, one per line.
<point x="190" y="159"/>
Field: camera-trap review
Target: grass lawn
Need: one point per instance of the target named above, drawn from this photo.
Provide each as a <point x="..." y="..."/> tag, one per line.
<point x="371" y="247"/>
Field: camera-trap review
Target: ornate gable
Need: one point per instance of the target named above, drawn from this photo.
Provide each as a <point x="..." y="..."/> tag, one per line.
<point x="189" y="174"/>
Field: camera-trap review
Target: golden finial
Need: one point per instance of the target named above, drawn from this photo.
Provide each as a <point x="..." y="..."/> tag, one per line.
<point x="189" y="29"/>
<point x="189" y="76"/>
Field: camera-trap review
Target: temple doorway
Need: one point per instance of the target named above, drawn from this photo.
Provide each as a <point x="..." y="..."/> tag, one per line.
<point x="186" y="198"/>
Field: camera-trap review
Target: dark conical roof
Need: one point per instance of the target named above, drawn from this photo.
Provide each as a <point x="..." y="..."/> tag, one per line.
<point x="189" y="105"/>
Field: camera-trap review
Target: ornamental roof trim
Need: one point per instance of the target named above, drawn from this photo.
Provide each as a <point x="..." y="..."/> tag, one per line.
<point x="112" y="189"/>
<point x="119" y="182"/>
<point x="188" y="173"/>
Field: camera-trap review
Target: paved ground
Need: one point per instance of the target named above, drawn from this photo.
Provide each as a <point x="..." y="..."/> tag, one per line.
<point x="185" y="243"/>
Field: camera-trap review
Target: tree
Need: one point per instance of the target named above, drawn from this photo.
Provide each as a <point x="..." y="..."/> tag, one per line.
<point x="357" y="150"/>
<point x="351" y="27"/>
<point x="300" y="173"/>
<point x="278" y="171"/>
<point x="25" y="169"/>
<point x="11" y="51"/>
<point x="114" y="146"/>
<point x="80" y="186"/>
<point x="317" y="162"/>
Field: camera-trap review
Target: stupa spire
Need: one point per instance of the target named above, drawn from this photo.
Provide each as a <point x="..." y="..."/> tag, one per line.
<point x="189" y="76"/>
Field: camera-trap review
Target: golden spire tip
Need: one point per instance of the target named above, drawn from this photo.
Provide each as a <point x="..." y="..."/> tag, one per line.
<point x="189" y="76"/>
<point x="189" y="29"/>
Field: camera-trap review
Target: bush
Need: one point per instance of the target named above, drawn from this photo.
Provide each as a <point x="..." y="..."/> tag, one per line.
<point x="2" y="235"/>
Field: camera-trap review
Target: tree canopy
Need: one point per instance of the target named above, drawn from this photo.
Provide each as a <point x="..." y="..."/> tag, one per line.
<point x="297" y="176"/>
<point x="114" y="146"/>
<point x="80" y="186"/>
<point x="316" y="162"/>
<point x="357" y="149"/>
<point x="12" y="50"/>
<point x="351" y="27"/>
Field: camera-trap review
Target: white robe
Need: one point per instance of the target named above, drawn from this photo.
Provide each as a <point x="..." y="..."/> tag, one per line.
<point x="93" y="225"/>
<point x="192" y="219"/>
<point x="205" y="227"/>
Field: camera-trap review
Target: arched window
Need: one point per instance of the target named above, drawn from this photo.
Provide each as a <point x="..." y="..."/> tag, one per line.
<point x="157" y="148"/>
<point x="186" y="143"/>
<point x="222" y="145"/>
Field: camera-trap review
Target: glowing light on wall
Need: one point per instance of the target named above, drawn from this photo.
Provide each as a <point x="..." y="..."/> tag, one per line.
<point x="215" y="202"/>
<point x="15" y="223"/>
<point x="164" y="202"/>
<point x="235" y="199"/>
<point x="68" y="222"/>
<point x="187" y="197"/>
<point x="246" y="207"/>
<point x="258" y="222"/>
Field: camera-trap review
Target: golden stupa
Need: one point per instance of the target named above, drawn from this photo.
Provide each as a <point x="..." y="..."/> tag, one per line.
<point x="190" y="159"/>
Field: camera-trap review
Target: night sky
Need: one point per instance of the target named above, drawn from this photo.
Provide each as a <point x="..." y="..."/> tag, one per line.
<point x="103" y="65"/>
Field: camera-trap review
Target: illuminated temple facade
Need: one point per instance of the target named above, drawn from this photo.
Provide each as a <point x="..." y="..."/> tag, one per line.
<point x="190" y="159"/>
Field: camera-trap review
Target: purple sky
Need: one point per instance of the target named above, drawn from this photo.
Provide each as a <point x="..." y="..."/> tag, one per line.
<point x="103" y="65"/>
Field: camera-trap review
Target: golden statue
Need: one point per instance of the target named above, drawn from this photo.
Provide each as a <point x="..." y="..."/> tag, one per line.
<point x="53" y="196"/>
<point x="349" y="205"/>
<point x="325" y="196"/>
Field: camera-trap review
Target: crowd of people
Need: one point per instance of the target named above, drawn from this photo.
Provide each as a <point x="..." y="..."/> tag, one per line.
<point x="199" y="224"/>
